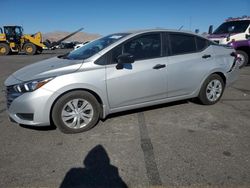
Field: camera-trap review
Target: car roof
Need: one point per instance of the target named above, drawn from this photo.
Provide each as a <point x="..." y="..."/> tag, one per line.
<point x="136" y="32"/>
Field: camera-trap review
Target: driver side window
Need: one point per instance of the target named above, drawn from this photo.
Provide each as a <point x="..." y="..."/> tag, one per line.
<point x="115" y="53"/>
<point x="143" y="47"/>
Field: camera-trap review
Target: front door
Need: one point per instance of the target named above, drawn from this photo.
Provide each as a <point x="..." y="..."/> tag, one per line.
<point x="139" y="82"/>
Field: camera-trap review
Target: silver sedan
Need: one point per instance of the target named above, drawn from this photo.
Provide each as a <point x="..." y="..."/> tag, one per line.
<point x="119" y="72"/>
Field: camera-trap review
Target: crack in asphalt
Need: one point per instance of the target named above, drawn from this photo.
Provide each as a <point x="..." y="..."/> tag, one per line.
<point x="245" y="74"/>
<point x="235" y="100"/>
<point x="242" y="90"/>
<point x="148" y="152"/>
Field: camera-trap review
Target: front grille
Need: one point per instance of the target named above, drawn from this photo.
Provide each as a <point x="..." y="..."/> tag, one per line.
<point x="11" y="95"/>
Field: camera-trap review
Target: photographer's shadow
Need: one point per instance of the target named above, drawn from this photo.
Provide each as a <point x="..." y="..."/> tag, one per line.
<point x="98" y="172"/>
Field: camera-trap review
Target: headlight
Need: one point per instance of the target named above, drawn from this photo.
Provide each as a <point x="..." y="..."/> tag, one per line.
<point x="31" y="85"/>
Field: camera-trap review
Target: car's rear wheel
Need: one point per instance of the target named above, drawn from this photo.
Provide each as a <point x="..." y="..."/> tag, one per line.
<point x="75" y="112"/>
<point x="211" y="90"/>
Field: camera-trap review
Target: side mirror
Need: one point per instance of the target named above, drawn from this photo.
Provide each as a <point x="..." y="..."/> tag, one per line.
<point x="125" y="58"/>
<point x="210" y="29"/>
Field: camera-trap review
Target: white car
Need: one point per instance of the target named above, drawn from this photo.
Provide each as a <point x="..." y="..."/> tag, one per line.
<point x="80" y="45"/>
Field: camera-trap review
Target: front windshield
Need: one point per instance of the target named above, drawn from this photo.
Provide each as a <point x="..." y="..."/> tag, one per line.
<point x="94" y="47"/>
<point x="233" y="27"/>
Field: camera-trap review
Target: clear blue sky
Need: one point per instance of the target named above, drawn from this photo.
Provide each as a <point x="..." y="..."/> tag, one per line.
<point x="108" y="16"/>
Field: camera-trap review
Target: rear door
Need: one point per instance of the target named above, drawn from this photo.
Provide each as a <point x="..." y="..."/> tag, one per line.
<point x="139" y="82"/>
<point x="191" y="58"/>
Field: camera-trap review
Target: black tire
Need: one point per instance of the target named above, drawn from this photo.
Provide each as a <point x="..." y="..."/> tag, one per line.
<point x="4" y="49"/>
<point x="203" y="98"/>
<point x="244" y="56"/>
<point x="61" y="105"/>
<point x="30" y="49"/>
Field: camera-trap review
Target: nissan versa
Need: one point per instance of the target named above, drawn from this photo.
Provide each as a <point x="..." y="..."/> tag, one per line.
<point x="119" y="72"/>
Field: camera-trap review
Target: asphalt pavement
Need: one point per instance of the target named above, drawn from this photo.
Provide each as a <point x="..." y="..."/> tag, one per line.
<point x="176" y="144"/>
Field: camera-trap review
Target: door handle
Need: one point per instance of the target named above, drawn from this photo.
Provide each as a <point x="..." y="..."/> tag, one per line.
<point x="159" y="66"/>
<point x="206" y="56"/>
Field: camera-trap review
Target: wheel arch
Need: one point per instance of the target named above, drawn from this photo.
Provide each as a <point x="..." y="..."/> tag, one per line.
<point x="98" y="98"/>
<point x="221" y="75"/>
<point x="244" y="48"/>
<point x="5" y="42"/>
<point x="201" y="94"/>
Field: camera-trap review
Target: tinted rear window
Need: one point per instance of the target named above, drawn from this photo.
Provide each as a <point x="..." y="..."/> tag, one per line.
<point x="201" y="43"/>
<point x="182" y="43"/>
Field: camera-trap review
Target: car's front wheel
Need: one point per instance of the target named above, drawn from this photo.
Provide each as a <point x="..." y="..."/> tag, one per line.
<point x="211" y="90"/>
<point x="75" y="112"/>
<point x="29" y="48"/>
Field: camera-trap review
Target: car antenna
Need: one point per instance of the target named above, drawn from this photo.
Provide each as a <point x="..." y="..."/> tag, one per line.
<point x="180" y="28"/>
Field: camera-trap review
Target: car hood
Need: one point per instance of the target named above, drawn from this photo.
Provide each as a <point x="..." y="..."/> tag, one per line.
<point x="44" y="69"/>
<point x="212" y="36"/>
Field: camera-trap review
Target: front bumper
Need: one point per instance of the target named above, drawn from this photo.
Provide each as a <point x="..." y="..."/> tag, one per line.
<point x="31" y="108"/>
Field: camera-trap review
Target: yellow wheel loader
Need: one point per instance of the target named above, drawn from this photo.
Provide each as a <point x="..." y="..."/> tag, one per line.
<point x="12" y="40"/>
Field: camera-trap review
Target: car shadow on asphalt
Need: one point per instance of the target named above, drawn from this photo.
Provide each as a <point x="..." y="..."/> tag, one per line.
<point x="39" y="128"/>
<point x="145" y="109"/>
<point x="97" y="172"/>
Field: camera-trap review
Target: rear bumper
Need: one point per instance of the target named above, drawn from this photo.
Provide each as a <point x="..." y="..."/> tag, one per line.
<point x="232" y="75"/>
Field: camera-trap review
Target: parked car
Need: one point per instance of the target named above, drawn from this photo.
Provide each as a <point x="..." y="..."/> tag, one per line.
<point x="80" y="45"/>
<point x="119" y="72"/>
<point x="66" y="45"/>
<point x="236" y="33"/>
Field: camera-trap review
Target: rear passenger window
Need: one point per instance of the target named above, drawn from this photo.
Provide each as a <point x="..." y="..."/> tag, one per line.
<point x="201" y="43"/>
<point x="182" y="44"/>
